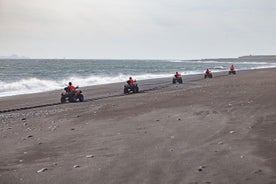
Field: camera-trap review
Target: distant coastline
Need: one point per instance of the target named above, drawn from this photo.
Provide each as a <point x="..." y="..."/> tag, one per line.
<point x="14" y="56"/>
<point x="252" y="58"/>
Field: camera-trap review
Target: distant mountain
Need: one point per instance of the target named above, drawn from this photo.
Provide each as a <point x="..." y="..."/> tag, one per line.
<point x="261" y="57"/>
<point x="250" y="58"/>
<point x="14" y="56"/>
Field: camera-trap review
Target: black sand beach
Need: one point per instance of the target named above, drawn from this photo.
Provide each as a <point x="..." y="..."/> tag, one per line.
<point x="219" y="130"/>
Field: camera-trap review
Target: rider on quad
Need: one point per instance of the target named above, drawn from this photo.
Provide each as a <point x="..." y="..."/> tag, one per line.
<point x="208" y="73"/>
<point x="71" y="94"/>
<point x="177" y="78"/>
<point x="232" y="70"/>
<point x="71" y="87"/>
<point x="176" y="75"/>
<point x="130" y="81"/>
<point x="131" y="86"/>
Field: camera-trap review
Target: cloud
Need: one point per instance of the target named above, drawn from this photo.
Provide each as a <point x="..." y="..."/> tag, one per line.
<point x="136" y="29"/>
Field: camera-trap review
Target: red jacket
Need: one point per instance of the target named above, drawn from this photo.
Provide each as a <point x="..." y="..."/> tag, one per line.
<point x="177" y="74"/>
<point x="131" y="81"/>
<point x="71" y="87"/>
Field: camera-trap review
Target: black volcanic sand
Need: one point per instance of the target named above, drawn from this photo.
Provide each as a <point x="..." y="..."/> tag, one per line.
<point x="219" y="130"/>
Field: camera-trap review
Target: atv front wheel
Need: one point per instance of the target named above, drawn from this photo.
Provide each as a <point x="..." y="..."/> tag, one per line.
<point x="136" y="90"/>
<point x="62" y="99"/>
<point x="125" y="90"/>
<point x="81" y="98"/>
<point x="173" y="81"/>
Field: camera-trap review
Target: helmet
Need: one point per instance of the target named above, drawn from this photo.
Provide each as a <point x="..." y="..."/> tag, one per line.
<point x="70" y="83"/>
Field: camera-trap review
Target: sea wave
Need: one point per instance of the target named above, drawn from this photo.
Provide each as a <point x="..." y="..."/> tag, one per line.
<point x="35" y="84"/>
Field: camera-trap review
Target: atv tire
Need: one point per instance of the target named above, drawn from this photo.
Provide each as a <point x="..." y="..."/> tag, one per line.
<point x="174" y="81"/>
<point x="208" y="76"/>
<point x="232" y="72"/>
<point x="125" y="90"/>
<point x="81" y="98"/>
<point x="62" y="100"/>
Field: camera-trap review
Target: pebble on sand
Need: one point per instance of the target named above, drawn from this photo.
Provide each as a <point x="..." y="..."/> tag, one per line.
<point x="89" y="156"/>
<point x="41" y="170"/>
<point x="201" y="168"/>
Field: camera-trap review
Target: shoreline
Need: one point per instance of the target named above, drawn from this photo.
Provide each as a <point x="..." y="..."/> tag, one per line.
<point x="96" y="85"/>
<point x="219" y="130"/>
<point x="161" y="78"/>
<point x="95" y="91"/>
<point x="98" y="91"/>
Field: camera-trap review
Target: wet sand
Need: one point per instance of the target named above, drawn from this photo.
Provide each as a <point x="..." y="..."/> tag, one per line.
<point x="219" y="130"/>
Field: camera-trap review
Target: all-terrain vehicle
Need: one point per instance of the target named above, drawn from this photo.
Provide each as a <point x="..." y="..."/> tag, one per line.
<point x="131" y="88"/>
<point x="71" y="96"/>
<point x="177" y="79"/>
<point x="232" y="72"/>
<point x="208" y="75"/>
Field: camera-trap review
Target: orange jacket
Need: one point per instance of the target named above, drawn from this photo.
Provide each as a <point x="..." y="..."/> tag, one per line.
<point x="131" y="81"/>
<point x="177" y="74"/>
<point x="71" y="87"/>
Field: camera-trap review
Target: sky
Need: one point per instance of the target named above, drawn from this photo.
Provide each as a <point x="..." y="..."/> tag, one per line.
<point x="137" y="29"/>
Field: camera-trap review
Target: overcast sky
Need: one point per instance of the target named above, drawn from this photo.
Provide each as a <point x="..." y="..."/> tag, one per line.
<point x="137" y="29"/>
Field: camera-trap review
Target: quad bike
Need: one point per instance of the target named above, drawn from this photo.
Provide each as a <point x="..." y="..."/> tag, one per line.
<point x="131" y="88"/>
<point x="71" y="96"/>
<point x="177" y="79"/>
<point x="208" y="75"/>
<point x="232" y="72"/>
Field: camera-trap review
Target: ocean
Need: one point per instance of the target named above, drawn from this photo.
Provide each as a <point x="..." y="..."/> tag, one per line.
<point x="26" y="76"/>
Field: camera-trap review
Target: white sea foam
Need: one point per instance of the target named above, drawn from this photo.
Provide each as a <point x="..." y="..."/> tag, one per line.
<point x="34" y="85"/>
<point x="27" y="86"/>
